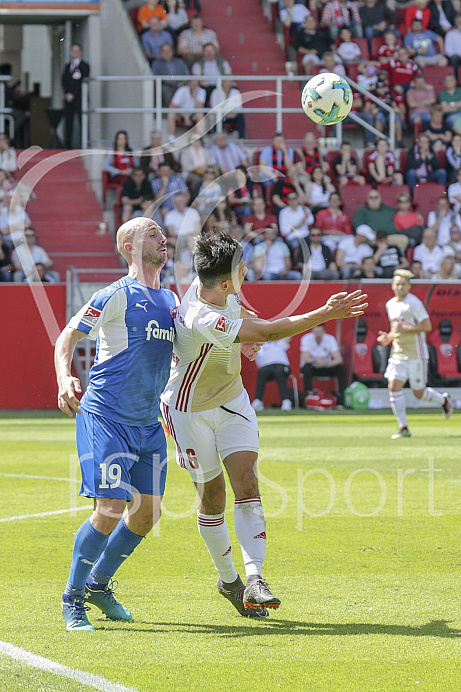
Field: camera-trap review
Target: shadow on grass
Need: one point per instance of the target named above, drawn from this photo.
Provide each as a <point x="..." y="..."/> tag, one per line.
<point x="434" y="628"/>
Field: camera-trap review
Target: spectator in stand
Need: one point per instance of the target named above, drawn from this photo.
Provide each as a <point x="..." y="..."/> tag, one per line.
<point x="438" y="132"/>
<point x="454" y="193"/>
<point x="388" y="50"/>
<point x="407" y="221"/>
<point x="8" y="161"/>
<point x="119" y="163"/>
<point x="26" y="255"/>
<point x="210" y="66"/>
<point x="285" y="185"/>
<point x="273" y="364"/>
<point x="429" y="254"/>
<point x="41" y="275"/>
<point x="259" y="220"/>
<point x="177" y="17"/>
<point x="453" y="46"/>
<point x="191" y="41"/>
<point x="209" y="193"/>
<point x="321" y="357"/>
<point x="376" y="16"/>
<point x="349" y="51"/>
<point x="453" y="158"/>
<point x="381" y="166"/>
<point x="318" y="191"/>
<point x="379" y="217"/>
<point x="450" y="100"/>
<point x="312" y="43"/>
<point x="417" y="269"/>
<point x="420" y="45"/>
<point x="5" y="261"/>
<point x="222" y="216"/>
<point x="153" y="155"/>
<point x="294" y="222"/>
<point x="333" y="222"/>
<point x="164" y="187"/>
<point x="272" y="261"/>
<point x="136" y="195"/>
<point x="420" y="96"/>
<point x="447" y="269"/>
<point x="241" y="194"/>
<point x="353" y="249"/>
<point x="13" y="220"/>
<point x="153" y="40"/>
<point x="339" y="13"/>
<point x="169" y="64"/>
<point x="187" y="99"/>
<point x="418" y="10"/>
<point x="6" y="184"/>
<point x="276" y="157"/>
<point x="231" y="99"/>
<point x="367" y="76"/>
<point x="321" y="263"/>
<point x="363" y="111"/>
<point x="402" y="70"/>
<point x="442" y="17"/>
<point x="194" y="160"/>
<point x="331" y="64"/>
<point x="442" y="220"/>
<point x="310" y="158"/>
<point x="387" y="257"/>
<point x="346" y="167"/>
<point x="182" y="220"/>
<point x="453" y="247"/>
<point x="293" y="15"/>
<point x="153" y="8"/>
<point x="368" y="270"/>
<point x="423" y="165"/>
<point x="72" y="77"/>
<point x="227" y="155"/>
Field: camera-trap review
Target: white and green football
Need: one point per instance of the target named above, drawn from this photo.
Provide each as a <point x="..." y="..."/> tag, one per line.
<point x="327" y="99"/>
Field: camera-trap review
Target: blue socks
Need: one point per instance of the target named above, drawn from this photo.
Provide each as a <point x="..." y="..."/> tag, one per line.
<point x="120" y="545"/>
<point x="89" y="543"/>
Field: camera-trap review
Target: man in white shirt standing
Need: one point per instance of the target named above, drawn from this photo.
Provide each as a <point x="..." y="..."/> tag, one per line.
<point x="409" y="322"/>
<point x="321" y="357"/>
<point x="273" y="364"/>
<point x="272" y="261"/>
<point x="182" y="220"/>
<point x="294" y="222"/>
<point x="453" y="46"/>
<point x="429" y="254"/>
<point x="186" y="99"/>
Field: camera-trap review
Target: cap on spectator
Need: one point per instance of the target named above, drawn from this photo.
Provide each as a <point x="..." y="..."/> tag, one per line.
<point x="366" y="231"/>
<point x="380" y="84"/>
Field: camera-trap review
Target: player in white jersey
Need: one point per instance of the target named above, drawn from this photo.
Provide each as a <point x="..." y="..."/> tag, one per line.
<point x="409" y="322"/>
<point x="209" y="415"/>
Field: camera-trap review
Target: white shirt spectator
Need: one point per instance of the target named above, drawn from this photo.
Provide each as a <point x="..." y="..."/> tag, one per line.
<point x="289" y="218"/>
<point x="182" y="224"/>
<point x="273" y="352"/>
<point x="29" y="257"/>
<point x="349" y="51"/>
<point x="275" y="256"/>
<point x="454" y="189"/>
<point x="228" y="157"/>
<point x="298" y="14"/>
<point x="317" y="260"/>
<point x="184" y="101"/>
<point x="11" y="218"/>
<point x="233" y="98"/>
<point x="211" y="69"/>
<point x="353" y="254"/>
<point x="325" y="349"/>
<point x="8" y="161"/>
<point x="452" y="42"/>
<point x="443" y="233"/>
<point x="430" y="259"/>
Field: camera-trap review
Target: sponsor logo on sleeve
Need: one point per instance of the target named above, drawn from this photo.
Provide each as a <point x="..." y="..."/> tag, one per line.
<point x="221" y="325"/>
<point x="90" y="316"/>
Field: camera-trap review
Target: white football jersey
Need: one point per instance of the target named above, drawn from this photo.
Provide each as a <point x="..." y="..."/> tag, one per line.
<point x="408" y="345"/>
<point x="205" y="371"/>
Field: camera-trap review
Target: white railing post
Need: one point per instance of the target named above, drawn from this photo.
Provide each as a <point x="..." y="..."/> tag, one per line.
<point x="85" y="114"/>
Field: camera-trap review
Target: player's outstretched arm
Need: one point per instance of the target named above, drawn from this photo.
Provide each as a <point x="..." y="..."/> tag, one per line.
<point x="68" y="386"/>
<point x="338" y="306"/>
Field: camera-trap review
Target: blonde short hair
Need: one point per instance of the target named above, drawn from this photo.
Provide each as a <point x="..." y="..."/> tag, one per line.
<point x="404" y="274"/>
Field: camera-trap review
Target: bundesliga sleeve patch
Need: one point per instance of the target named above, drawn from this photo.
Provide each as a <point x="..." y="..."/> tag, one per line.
<point x="90" y="316"/>
<point x="221" y="325"/>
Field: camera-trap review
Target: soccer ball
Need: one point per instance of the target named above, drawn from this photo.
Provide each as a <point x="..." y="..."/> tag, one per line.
<point x="327" y="99"/>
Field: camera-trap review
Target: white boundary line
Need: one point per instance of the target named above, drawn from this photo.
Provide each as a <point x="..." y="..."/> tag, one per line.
<point x="47" y="514"/>
<point x="30" y="659"/>
<point x="44" y="478"/>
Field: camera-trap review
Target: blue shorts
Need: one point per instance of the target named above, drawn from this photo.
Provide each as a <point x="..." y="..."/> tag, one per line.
<point x="118" y="459"/>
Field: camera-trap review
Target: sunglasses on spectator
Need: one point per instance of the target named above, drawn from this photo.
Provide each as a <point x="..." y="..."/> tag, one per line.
<point x="373" y="196"/>
<point x="292" y="196"/>
<point x="316" y="235"/>
<point x="403" y="200"/>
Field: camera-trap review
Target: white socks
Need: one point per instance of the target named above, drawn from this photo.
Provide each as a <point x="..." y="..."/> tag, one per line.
<point x="213" y="530"/>
<point x="250" y="529"/>
<point x="398" y="407"/>
<point x="430" y="394"/>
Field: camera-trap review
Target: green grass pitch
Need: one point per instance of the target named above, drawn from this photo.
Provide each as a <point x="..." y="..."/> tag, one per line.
<point x="364" y="552"/>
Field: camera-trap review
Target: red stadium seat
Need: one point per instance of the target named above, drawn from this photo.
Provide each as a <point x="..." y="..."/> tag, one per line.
<point x="108" y="185"/>
<point x="403" y="160"/>
<point x="376" y="43"/>
<point x="369" y="359"/>
<point x="330" y="158"/>
<point x="354" y="197"/>
<point x="390" y="193"/>
<point x="442" y="158"/>
<point x="425" y="197"/>
<point x="444" y="348"/>
<point x="435" y="76"/>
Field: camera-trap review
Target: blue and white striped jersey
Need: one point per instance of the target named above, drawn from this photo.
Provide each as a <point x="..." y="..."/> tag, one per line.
<point x="134" y="330"/>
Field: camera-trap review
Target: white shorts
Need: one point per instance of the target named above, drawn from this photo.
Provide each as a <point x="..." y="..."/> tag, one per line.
<point x="204" y="438"/>
<point x="414" y="370"/>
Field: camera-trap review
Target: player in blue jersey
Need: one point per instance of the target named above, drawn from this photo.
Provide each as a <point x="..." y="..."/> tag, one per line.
<point x="120" y="442"/>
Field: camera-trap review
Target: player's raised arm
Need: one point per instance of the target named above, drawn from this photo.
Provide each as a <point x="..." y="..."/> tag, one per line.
<point x="338" y="306"/>
<point x="68" y="386"/>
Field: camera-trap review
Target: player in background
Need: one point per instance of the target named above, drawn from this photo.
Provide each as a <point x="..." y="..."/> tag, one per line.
<point x="120" y="442"/>
<point x="208" y="411"/>
<point x="409" y="322"/>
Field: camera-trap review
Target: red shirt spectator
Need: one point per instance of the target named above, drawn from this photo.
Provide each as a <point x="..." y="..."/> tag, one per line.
<point x="417" y="11"/>
<point x="401" y="69"/>
<point x="259" y="220"/>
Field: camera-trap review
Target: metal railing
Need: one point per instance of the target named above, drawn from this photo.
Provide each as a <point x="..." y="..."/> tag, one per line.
<point x="156" y="109"/>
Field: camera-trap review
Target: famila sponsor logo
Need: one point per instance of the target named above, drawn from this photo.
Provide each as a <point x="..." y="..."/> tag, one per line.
<point x="153" y="331"/>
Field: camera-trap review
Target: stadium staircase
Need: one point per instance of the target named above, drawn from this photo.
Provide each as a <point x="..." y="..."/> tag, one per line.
<point x="248" y="42"/>
<point x="66" y="214"/>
